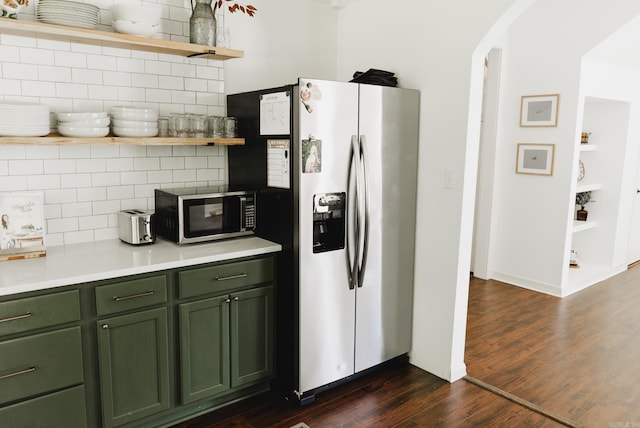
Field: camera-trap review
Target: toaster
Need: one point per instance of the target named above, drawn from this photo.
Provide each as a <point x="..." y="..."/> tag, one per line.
<point x="136" y="227"/>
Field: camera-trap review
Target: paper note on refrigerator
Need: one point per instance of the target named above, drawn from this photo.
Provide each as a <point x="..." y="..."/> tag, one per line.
<point x="278" y="152"/>
<point x="275" y="110"/>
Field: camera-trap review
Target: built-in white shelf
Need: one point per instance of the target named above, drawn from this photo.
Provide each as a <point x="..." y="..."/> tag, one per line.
<point x="588" y="187"/>
<point x="588" y="147"/>
<point x="580" y="226"/>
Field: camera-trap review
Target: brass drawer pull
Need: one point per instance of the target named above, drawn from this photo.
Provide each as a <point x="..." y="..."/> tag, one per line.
<point x="226" y="278"/>
<point x="19" y="317"/>
<point x="133" y="296"/>
<point x="18" y="373"/>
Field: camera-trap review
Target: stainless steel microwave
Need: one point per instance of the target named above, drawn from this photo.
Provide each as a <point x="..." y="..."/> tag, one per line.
<point x="198" y="214"/>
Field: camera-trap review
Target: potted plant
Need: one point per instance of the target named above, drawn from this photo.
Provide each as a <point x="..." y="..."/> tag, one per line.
<point x="582" y="198"/>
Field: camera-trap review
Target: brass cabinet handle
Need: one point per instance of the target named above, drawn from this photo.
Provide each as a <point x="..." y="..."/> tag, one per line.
<point x="18" y="373"/>
<point x="105" y="326"/>
<point x="235" y="299"/>
<point x="226" y="278"/>
<point x="228" y="301"/>
<point x="18" y="317"/>
<point x="133" y="296"/>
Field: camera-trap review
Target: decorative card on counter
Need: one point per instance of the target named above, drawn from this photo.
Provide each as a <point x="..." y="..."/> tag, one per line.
<point x="21" y="225"/>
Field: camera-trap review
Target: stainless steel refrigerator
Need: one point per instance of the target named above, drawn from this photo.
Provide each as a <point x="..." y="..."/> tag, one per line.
<point x="335" y="165"/>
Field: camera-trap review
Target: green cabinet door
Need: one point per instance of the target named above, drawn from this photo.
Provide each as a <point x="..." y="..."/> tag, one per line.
<point x="204" y="348"/>
<point x="133" y="366"/>
<point x="251" y="335"/>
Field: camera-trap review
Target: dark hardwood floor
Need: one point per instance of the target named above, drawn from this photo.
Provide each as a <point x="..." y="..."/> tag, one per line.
<point x="577" y="358"/>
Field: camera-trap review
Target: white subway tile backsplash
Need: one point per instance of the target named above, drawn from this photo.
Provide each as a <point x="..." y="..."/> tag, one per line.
<point x="183" y="176"/>
<point x="116" y="78"/>
<point x="42" y="182"/>
<point x="101" y="62"/>
<point x="60" y="196"/>
<point x="120" y="192"/>
<point x="12" y="70"/>
<point x="75" y="181"/>
<point x="106" y="207"/>
<point x="36" y="56"/>
<point x="159" y="176"/>
<point x="159" y="151"/>
<point x="77" y="209"/>
<point x="35" y="88"/>
<point x="105" y="179"/>
<point x="58" y="225"/>
<point x="13" y="183"/>
<point x="41" y="152"/>
<point x="59" y="166"/>
<point x="144" y="80"/>
<point x="91" y="165"/>
<point x="86" y="185"/>
<point x="133" y="177"/>
<point x="82" y="75"/>
<point x="25" y="167"/>
<point x="93" y="222"/>
<point x="71" y="59"/>
<point x="92" y="194"/>
<point x="146" y="164"/>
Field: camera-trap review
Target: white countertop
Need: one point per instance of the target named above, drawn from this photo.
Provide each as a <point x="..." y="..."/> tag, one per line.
<point x="94" y="261"/>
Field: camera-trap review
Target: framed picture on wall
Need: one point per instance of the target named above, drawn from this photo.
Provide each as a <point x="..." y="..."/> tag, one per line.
<point x="535" y="159"/>
<point x="539" y="110"/>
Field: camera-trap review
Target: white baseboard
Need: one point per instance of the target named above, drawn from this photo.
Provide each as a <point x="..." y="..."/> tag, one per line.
<point x="529" y="284"/>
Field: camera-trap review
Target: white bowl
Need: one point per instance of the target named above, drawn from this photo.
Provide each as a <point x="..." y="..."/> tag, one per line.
<point x="132" y="113"/>
<point x="120" y="123"/>
<point x="135" y="132"/>
<point x="147" y="14"/>
<point x="135" y="28"/>
<point x="74" y="131"/>
<point x="72" y="117"/>
<point x="90" y="123"/>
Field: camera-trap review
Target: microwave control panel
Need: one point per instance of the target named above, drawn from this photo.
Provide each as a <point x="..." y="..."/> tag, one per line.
<point x="248" y="213"/>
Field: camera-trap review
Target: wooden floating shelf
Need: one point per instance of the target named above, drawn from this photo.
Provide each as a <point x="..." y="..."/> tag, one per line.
<point x="55" y="139"/>
<point x="114" y="40"/>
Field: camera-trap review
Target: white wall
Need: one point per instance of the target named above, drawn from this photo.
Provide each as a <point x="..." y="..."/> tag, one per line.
<point x="286" y="39"/>
<point x="430" y="46"/>
<point x="532" y="217"/>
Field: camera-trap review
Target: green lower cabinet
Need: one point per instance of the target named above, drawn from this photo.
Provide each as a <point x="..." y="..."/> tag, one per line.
<point x="60" y="409"/>
<point x="133" y="366"/>
<point x="204" y="348"/>
<point x="251" y="335"/>
<point x="225" y="342"/>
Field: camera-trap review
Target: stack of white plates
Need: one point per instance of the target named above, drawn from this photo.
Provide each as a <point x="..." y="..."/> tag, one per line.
<point x="134" y="122"/>
<point x="83" y="124"/>
<point x="70" y="13"/>
<point x="22" y="119"/>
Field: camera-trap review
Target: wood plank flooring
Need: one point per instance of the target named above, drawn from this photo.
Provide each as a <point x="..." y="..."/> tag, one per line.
<point x="575" y="357"/>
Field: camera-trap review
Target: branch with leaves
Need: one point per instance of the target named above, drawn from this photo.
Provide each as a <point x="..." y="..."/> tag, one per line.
<point x="248" y="9"/>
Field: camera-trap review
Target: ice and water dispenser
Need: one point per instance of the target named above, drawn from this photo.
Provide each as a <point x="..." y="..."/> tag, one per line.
<point x="329" y="217"/>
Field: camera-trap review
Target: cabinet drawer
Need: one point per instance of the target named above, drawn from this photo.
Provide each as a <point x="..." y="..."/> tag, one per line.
<point x="132" y="294"/>
<point x="220" y="278"/>
<point x="35" y="312"/>
<point x="60" y="409"/>
<point x="40" y="363"/>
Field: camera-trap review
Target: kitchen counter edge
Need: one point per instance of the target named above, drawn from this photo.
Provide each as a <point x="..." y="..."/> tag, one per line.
<point x="94" y="261"/>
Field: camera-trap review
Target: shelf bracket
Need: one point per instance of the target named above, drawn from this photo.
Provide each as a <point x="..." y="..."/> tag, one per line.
<point x="209" y="52"/>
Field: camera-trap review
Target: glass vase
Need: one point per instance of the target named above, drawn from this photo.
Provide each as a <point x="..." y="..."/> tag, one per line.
<point x="202" y="25"/>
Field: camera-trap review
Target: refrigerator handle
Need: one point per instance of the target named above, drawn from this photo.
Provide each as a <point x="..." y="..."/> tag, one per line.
<point x="364" y="157"/>
<point x="352" y="265"/>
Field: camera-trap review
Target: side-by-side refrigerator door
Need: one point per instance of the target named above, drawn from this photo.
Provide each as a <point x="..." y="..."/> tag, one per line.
<point x="389" y="143"/>
<point x="327" y="119"/>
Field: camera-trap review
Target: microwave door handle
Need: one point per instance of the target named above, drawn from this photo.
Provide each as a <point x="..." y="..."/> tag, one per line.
<point x="352" y="247"/>
<point x="243" y="204"/>
<point x="364" y="158"/>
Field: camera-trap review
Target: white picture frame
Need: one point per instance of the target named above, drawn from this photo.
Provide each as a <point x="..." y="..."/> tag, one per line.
<point x="535" y="159"/>
<point x="539" y="110"/>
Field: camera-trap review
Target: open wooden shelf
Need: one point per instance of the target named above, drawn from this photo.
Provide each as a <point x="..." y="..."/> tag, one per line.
<point x="55" y="139"/>
<point x="116" y="40"/>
